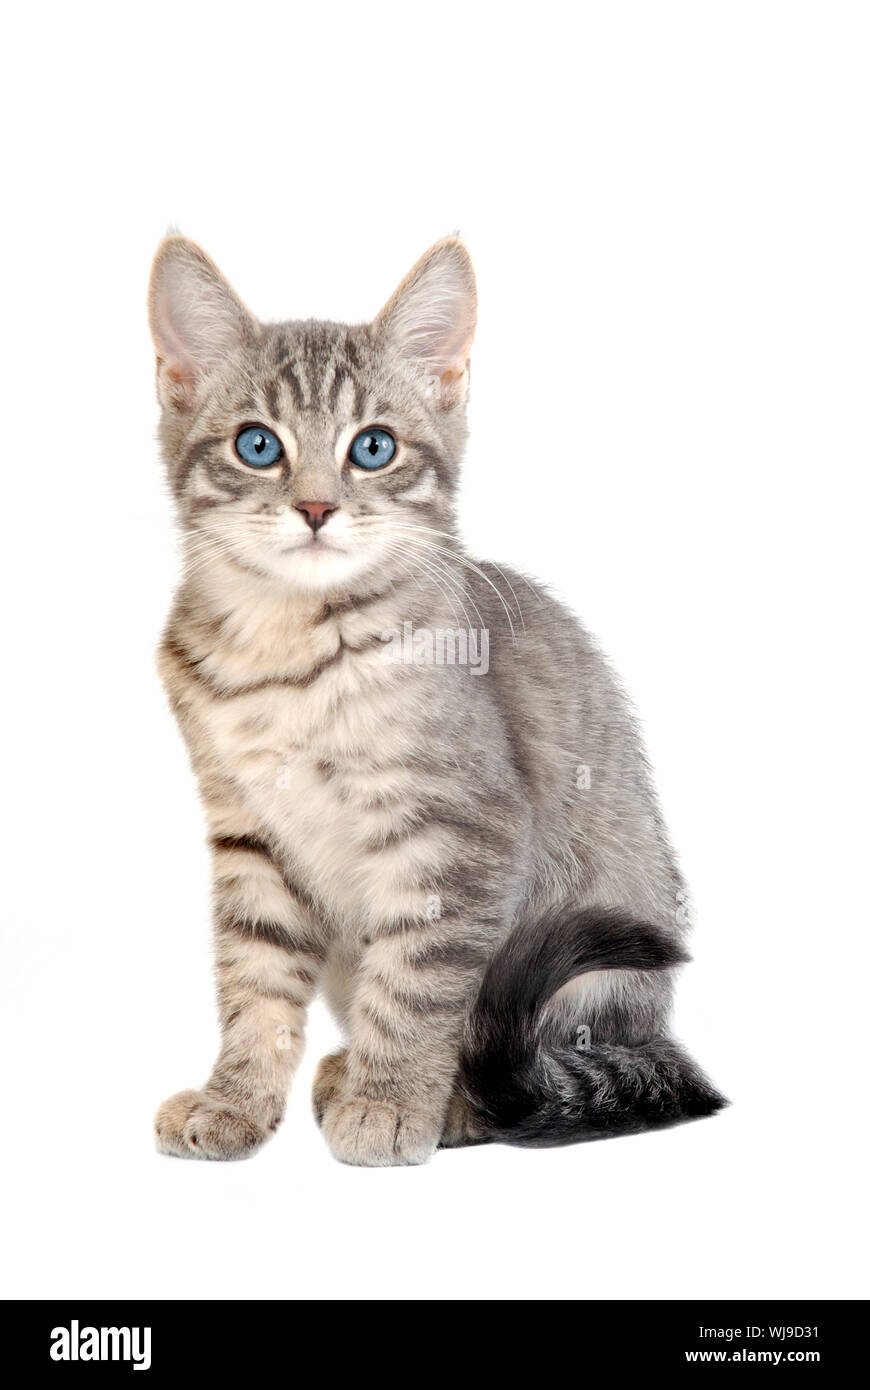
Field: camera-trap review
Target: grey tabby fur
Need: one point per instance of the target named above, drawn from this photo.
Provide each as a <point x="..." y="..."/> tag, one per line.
<point x="413" y="839"/>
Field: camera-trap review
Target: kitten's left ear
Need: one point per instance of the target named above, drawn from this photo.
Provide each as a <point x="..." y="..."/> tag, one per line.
<point x="431" y="318"/>
<point x="195" y="318"/>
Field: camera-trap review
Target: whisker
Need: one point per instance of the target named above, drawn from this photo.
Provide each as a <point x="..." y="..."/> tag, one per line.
<point x="409" y="532"/>
<point x="438" y="576"/>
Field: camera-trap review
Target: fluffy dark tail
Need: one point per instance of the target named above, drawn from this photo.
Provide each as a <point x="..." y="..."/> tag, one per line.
<point x="523" y="1083"/>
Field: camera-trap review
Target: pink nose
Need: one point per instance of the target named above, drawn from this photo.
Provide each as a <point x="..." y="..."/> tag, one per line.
<point x="316" y="513"/>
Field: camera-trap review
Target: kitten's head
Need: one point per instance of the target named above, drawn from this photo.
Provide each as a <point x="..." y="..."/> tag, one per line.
<point x="313" y="453"/>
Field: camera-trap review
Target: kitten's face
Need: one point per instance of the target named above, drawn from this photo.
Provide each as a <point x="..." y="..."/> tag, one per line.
<point x="319" y="455"/>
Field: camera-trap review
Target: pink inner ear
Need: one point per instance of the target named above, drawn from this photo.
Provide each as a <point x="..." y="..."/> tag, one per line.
<point x="196" y="319"/>
<point x="432" y="315"/>
<point x="178" y="381"/>
<point x="177" y="372"/>
<point x="173" y="358"/>
<point x="457" y="370"/>
<point x="436" y="326"/>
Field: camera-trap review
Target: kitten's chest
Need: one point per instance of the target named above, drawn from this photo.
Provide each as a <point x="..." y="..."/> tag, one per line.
<point x="326" y="764"/>
<point x="297" y="750"/>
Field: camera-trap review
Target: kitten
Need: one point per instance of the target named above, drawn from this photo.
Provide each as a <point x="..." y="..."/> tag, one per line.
<point x="466" y="858"/>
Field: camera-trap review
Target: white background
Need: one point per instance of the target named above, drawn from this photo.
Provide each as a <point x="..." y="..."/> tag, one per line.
<point x="668" y="209"/>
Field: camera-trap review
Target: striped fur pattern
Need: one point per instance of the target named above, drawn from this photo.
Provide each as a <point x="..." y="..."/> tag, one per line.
<point x="382" y="830"/>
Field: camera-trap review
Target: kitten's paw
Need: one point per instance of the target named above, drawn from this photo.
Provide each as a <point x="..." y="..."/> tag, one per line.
<point x="378" y="1134"/>
<point x="194" y="1124"/>
<point x="461" y="1126"/>
<point x="328" y="1082"/>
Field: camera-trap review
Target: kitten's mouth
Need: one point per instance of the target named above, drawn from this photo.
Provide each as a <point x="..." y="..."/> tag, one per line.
<point x="313" y="545"/>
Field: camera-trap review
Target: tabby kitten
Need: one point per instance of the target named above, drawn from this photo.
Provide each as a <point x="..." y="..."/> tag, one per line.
<point x="465" y="857"/>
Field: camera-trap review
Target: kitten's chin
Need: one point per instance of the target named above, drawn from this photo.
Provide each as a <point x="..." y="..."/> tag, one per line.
<point x="319" y="568"/>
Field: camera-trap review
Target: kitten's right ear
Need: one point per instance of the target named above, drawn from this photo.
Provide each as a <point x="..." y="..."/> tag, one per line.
<point x="195" y="318"/>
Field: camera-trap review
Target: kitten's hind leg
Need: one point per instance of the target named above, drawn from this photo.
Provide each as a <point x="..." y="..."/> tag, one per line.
<point x="328" y="1082"/>
<point x="269" y="956"/>
<point x="462" y="1127"/>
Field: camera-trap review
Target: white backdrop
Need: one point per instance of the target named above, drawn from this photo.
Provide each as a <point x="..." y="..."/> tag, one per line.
<point x="668" y="209"/>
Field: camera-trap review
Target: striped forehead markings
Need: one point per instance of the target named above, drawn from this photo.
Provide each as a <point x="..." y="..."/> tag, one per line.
<point x="322" y="390"/>
<point x="289" y="374"/>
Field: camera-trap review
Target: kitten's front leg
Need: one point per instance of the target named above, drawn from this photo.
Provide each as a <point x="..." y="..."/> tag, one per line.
<point x="383" y="1100"/>
<point x="268" y="955"/>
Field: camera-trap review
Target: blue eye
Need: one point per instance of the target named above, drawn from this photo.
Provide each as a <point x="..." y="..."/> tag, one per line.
<point x="258" y="447"/>
<point x="372" y="448"/>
